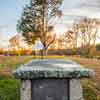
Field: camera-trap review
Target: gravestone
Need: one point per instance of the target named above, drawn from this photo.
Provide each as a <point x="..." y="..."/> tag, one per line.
<point x="52" y="79"/>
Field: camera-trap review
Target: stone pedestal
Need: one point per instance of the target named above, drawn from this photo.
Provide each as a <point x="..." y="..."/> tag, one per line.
<point x="76" y="92"/>
<point x="52" y="79"/>
<point x="25" y="90"/>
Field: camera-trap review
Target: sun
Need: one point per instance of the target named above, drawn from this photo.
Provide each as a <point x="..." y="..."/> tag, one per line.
<point x="60" y="29"/>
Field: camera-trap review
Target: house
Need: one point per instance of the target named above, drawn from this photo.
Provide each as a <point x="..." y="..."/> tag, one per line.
<point x="17" y="42"/>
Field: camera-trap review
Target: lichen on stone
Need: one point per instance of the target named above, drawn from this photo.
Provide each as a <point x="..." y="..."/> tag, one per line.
<point x="52" y="68"/>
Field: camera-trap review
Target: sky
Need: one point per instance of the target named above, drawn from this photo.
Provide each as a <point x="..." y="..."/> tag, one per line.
<point x="10" y="12"/>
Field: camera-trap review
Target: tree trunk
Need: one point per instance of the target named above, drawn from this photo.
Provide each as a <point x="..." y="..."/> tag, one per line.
<point x="44" y="53"/>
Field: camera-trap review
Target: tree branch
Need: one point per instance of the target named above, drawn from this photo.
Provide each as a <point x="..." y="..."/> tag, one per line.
<point x="51" y="41"/>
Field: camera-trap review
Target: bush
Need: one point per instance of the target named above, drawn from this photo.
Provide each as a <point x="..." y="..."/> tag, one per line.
<point x="9" y="89"/>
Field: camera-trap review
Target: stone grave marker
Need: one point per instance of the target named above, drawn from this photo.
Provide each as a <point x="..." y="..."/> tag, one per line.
<point x="52" y="79"/>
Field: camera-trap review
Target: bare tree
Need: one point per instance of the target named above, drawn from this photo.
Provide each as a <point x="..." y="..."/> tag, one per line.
<point x="88" y="29"/>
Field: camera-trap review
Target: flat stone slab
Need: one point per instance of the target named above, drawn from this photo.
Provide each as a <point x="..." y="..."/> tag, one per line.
<point x="52" y="68"/>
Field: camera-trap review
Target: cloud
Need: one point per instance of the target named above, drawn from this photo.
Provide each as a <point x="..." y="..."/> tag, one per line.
<point x="74" y="10"/>
<point x="90" y="3"/>
<point x="80" y="9"/>
<point x="82" y="12"/>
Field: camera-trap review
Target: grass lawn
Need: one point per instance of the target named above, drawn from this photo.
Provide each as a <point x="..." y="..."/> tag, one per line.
<point x="8" y="64"/>
<point x="91" y="86"/>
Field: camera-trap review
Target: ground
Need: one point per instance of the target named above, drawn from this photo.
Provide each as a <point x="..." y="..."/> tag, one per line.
<point x="8" y="64"/>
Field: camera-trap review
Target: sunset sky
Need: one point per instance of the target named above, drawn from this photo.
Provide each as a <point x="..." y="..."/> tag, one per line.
<point x="10" y="12"/>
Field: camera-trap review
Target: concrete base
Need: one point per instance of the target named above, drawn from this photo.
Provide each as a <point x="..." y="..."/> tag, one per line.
<point x="25" y="90"/>
<point x="75" y="90"/>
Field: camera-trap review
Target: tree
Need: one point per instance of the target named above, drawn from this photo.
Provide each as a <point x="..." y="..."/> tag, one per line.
<point x="35" y="22"/>
<point x="87" y="28"/>
<point x="69" y="38"/>
<point x="75" y="31"/>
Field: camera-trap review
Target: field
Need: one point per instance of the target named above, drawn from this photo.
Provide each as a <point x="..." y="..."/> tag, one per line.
<point x="8" y="84"/>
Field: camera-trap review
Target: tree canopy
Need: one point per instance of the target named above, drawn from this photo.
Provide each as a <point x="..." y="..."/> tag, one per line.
<point x="36" y="21"/>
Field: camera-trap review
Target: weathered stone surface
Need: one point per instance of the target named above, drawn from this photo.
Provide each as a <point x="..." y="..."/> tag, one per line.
<point x="76" y="91"/>
<point x="25" y="90"/>
<point x="52" y="68"/>
<point x="50" y="89"/>
<point x="51" y="79"/>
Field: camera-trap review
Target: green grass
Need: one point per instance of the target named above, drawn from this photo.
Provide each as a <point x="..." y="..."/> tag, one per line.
<point x="9" y="89"/>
